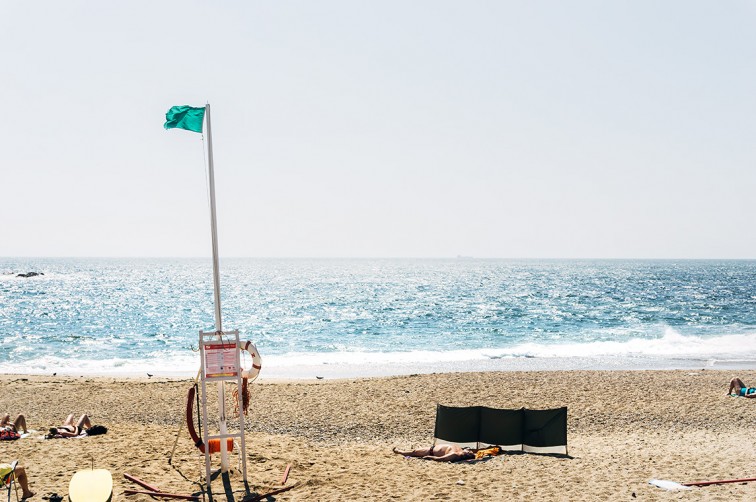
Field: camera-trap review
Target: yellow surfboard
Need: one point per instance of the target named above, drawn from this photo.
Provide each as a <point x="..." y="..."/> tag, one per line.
<point x="91" y="485"/>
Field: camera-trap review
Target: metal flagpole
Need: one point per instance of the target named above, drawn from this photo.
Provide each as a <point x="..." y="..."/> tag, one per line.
<point x="213" y="224"/>
<point x="216" y="285"/>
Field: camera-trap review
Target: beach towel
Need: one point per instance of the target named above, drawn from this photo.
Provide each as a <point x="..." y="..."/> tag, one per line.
<point x="487" y="452"/>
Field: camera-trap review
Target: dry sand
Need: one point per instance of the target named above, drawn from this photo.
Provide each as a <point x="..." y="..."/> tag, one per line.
<point x="625" y="428"/>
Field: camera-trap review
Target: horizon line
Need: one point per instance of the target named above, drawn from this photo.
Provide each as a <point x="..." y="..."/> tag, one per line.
<point x="458" y="257"/>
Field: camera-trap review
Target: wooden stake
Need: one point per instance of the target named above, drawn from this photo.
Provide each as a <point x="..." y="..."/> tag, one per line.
<point x="141" y="483"/>
<point x="721" y="481"/>
<point x="285" y="474"/>
<point x="161" y="495"/>
<point x="257" y="498"/>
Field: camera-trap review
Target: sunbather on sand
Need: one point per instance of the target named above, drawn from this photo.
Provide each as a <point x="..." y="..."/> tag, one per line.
<point x="439" y="453"/>
<point x="741" y="389"/>
<point x="68" y="429"/>
<point x="19" y="474"/>
<point x="19" y="424"/>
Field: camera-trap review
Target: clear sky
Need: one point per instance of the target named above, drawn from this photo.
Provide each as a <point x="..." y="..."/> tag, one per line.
<point x="564" y="129"/>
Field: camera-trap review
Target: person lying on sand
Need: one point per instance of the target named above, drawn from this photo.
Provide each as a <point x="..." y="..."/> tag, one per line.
<point x="68" y="429"/>
<point x="439" y="453"/>
<point x="741" y="389"/>
<point x="18" y="424"/>
<point x="19" y="474"/>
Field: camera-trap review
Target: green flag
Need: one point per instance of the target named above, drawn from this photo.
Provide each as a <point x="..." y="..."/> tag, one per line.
<point x="185" y="117"/>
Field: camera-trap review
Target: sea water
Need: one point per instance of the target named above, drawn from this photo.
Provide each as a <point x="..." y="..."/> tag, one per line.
<point x="365" y="317"/>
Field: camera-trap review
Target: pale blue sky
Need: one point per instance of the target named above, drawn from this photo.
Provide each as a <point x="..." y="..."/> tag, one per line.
<point x="392" y="128"/>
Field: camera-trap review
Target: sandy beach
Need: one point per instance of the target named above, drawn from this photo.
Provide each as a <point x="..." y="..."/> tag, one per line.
<point x="625" y="428"/>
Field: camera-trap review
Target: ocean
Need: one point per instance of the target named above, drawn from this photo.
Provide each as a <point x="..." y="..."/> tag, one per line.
<point x="345" y="318"/>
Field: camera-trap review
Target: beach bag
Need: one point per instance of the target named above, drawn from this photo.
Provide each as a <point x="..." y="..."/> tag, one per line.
<point x="8" y="435"/>
<point x="96" y="430"/>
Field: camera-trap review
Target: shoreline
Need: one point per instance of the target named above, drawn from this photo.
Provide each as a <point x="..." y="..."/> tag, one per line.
<point x="336" y="371"/>
<point x="624" y="428"/>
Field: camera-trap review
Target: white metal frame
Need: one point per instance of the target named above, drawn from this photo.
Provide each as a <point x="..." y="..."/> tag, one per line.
<point x="222" y="338"/>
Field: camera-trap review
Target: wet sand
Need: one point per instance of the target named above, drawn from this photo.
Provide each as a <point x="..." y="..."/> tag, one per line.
<point x="624" y="428"/>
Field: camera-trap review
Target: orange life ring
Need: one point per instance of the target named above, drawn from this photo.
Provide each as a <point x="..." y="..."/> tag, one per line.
<point x="214" y="444"/>
<point x="253" y="372"/>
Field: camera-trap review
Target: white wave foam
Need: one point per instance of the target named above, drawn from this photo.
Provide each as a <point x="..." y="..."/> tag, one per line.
<point x="179" y="364"/>
<point x="670" y="351"/>
<point x="671" y="345"/>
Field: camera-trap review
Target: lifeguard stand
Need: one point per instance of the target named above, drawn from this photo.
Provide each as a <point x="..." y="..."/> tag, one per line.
<point x="219" y="355"/>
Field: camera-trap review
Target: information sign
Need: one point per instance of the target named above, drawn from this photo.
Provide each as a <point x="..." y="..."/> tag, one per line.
<point x="220" y="360"/>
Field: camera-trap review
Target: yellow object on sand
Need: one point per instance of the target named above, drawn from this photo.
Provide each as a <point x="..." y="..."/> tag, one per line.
<point x="95" y="485"/>
<point x="493" y="451"/>
<point x="5" y="471"/>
